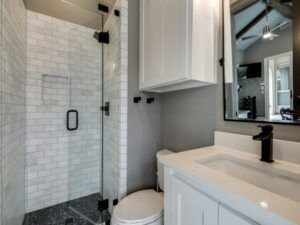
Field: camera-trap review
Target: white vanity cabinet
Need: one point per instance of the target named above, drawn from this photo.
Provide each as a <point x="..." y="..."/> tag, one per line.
<point x="189" y="206"/>
<point x="178" y="44"/>
<point x="185" y="204"/>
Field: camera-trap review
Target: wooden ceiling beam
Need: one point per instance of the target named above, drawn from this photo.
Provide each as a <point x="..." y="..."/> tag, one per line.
<point x="284" y="9"/>
<point x="241" y="5"/>
<point x="286" y="1"/>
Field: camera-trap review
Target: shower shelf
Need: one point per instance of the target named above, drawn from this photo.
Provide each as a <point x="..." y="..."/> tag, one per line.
<point x="55" y="90"/>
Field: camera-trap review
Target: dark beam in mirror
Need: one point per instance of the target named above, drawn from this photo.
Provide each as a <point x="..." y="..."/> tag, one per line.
<point x="241" y="5"/>
<point x="284" y="9"/>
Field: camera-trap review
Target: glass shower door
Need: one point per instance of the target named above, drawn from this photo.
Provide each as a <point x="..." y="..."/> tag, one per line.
<point x="93" y="119"/>
<point x="84" y="122"/>
<point x="111" y="93"/>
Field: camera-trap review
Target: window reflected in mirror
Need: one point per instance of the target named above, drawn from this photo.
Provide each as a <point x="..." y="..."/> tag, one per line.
<point x="258" y="42"/>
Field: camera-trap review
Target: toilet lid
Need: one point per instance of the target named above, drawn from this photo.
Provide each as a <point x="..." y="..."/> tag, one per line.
<point x="140" y="206"/>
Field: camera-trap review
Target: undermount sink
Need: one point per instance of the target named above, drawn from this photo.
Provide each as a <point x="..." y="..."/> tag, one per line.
<point x="280" y="178"/>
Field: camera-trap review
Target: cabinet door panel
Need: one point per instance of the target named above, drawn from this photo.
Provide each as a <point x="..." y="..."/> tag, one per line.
<point x="191" y="207"/>
<point x="228" y="217"/>
<point x="151" y="42"/>
<point x="175" y="39"/>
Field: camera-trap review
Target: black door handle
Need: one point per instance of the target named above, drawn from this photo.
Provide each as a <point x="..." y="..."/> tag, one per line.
<point x="68" y="120"/>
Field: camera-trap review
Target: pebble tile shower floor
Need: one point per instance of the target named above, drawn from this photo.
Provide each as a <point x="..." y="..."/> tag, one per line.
<point x="58" y="214"/>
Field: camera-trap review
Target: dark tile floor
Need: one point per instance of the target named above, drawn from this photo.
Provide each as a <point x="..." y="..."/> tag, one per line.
<point x="58" y="214"/>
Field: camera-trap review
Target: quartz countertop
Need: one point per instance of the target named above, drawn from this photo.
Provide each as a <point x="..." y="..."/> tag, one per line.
<point x="246" y="198"/>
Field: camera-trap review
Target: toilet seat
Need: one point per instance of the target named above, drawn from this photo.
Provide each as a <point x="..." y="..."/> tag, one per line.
<point x="142" y="207"/>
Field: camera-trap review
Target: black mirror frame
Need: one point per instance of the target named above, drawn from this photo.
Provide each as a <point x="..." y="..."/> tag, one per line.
<point x="296" y="67"/>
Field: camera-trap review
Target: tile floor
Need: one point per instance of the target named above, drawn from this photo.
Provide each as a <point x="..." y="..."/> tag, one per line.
<point x="65" y="213"/>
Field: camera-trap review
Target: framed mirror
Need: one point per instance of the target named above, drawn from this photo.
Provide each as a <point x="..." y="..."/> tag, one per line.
<point x="261" y="50"/>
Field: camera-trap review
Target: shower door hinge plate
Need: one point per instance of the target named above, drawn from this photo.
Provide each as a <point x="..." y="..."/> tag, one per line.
<point x="103" y="205"/>
<point x="221" y="61"/>
<point x="117" y="13"/>
<point x="104" y="37"/>
<point x="103" y="8"/>
<point x="115" y="202"/>
<point x="105" y="108"/>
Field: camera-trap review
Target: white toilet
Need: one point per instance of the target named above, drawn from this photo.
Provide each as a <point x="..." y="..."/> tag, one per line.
<point x="143" y="207"/>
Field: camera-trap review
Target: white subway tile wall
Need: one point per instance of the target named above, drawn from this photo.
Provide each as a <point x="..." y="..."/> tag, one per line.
<point x="1" y="94"/>
<point x="63" y="73"/>
<point x="13" y="72"/>
<point x="123" y="95"/>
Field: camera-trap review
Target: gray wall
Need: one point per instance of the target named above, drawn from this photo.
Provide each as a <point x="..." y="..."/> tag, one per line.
<point x="263" y="49"/>
<point x="144" y="120"/>
<point x="252" y="87"/>
<point x="189" y="118"/>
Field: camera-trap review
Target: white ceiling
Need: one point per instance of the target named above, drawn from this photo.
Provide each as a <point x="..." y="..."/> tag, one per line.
<point x="82" y="12"/>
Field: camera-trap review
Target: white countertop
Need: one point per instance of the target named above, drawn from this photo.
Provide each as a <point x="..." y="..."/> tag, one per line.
<point x="237" y="194"/>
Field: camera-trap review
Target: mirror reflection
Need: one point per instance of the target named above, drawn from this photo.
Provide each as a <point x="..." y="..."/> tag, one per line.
<point x="259" y="61"/>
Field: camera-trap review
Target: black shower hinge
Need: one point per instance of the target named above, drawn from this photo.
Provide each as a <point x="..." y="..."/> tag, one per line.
<point x="117" y="13"/>
<point x="221" y="61"/>
<point x="104" y="37"/>
<point x="103" y="205"/>
<point x="103" y="8"/>
<point x="115" y="202"/>
<point x="105" y="108"/>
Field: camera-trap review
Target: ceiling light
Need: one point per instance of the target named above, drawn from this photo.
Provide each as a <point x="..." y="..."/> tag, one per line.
<point x="267" y="36"/>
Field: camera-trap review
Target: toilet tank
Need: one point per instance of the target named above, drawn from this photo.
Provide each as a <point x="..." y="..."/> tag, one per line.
<point x="160" y="167"/>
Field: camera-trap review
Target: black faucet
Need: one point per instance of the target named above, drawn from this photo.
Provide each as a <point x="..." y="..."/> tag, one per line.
<point x="266" y="138"/>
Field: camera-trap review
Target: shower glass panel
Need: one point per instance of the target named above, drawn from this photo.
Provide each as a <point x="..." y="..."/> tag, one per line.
<point x="94" y="116"/>
<point x="12" y="115"/>
<point x="1" y="112"/>
<point x="84" y="122"/>
<point x="111" y="135"/>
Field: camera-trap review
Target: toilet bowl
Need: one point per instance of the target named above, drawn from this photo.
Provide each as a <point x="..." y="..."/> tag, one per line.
<point x="143" y="207"/>
<point x="139" y="208"/>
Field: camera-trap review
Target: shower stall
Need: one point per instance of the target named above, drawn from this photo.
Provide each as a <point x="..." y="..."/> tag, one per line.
<point x="92" y="119"/>
<point x="73" y="138"/>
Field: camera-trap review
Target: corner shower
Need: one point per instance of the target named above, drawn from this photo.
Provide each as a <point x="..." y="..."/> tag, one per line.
<point x="92" y="180"/>
<point x="73" y="113"/>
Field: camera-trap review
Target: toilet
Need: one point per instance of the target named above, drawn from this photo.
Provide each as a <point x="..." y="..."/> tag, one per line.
<point x="143" y="207"/>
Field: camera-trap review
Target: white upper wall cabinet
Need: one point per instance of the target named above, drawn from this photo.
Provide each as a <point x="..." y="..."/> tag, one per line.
<point x="179" y="44"/>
